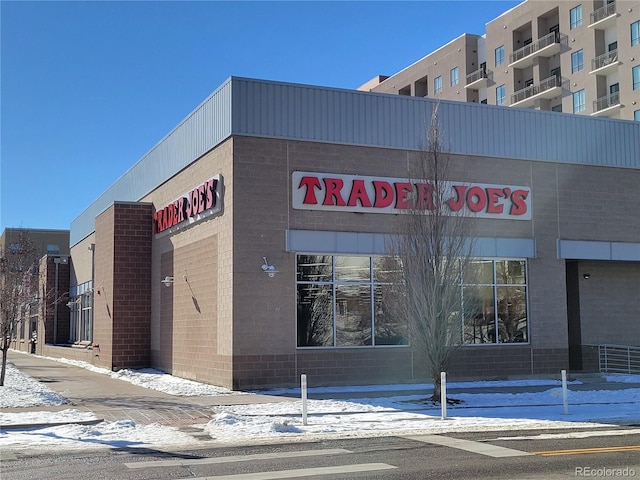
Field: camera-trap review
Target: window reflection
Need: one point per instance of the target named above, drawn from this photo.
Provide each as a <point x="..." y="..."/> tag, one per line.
<point x="315" y="315"/>
<point x="353" y="315"/>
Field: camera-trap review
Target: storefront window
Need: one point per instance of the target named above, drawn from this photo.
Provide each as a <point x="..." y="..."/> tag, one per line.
<point x="342" y="302"/>
<point x="81" y="315"/>
<point x="495" y="296"/>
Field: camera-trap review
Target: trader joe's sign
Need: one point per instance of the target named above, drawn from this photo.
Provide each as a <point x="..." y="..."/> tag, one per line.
<point x="365" y="194"/>
<point x="193" y="206"/>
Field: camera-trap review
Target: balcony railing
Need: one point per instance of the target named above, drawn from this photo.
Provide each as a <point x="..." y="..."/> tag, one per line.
<point x="477" y="75"/>
<point x="603" y="12"/>
<point x="549" y="39"/>
<point x="532" y="90"/>
<point x="603" y="103"/>
<point x="604" y="60"/>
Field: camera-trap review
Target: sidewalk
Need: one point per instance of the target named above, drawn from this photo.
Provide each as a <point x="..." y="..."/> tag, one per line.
<point x="112" y="400"/>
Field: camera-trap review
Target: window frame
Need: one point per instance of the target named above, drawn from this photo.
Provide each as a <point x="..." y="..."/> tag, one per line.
<point x="499" y="55"/>
<point x="635" y="40"/>
<point x="635" y="77"/>
<point x="454" y="76"/>
<point x="636" y="115"/>
<point x="577" y="61"/>
<point x="580" y="95"/>
<point x="503" y="90"/>
<point x="437" y="85"/>
<point x="575" y="17"/>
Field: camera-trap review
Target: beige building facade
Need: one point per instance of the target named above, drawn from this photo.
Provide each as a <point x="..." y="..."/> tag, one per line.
<point x="570" y="57"/>
<point x="258" y="254"/>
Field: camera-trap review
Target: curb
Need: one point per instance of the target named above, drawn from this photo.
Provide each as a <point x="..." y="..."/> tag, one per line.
<point x="26" y="426"/>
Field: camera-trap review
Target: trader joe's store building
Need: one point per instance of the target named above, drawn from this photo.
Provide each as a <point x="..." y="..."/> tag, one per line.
<point x="247" y="247"/>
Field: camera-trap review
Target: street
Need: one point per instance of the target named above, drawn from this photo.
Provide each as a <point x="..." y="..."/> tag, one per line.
<point x="607" y="452"/>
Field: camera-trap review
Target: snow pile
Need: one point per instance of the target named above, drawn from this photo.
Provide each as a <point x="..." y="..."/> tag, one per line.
<point x="23" y="391"/>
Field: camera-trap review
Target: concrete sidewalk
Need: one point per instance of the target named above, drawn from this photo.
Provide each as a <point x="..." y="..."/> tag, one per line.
<point x="111" y="399"/>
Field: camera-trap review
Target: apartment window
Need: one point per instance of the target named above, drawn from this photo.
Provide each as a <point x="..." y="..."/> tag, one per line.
<point x="636" y="77"/>
<point x="615" y="88"/>
<point x="577" y="62"/>
<point x="484" y="101"/>
<point x="495" y="294"/>
<point x="437" y="85"/>
<point x="346" y="301"/>
<point x="500" y="55"/>
<point x="575" y="15"/>
<point x="453" y="75"/>
<point x="636" y="115"/>
<point x="557" y="108"/>
<point x="635" y="33"/>
<point x="501" y="95"/>
<point x="579" y="102"/>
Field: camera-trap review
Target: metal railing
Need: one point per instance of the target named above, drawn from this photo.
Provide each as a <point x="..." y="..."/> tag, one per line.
<point x="604" y="59"/>
<point x="477" y="75"/>
<point x="606" y="102"/>
<point x="530" y="91"/>
<point x="603" y="12"/>
<point x="549" y="39"/>
<point x="619" y="359"/>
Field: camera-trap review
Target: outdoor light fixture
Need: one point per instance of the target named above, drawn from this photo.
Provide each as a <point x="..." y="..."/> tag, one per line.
<point x="586" y="276"/>
<point x="168" y="281"/>
<point x="268" y="269"/>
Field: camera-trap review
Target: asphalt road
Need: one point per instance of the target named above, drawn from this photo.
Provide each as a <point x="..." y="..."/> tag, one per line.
<point x="528" y="455"/>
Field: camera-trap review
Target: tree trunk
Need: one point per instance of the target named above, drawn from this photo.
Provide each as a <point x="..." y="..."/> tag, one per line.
<point x="436" y="389"/>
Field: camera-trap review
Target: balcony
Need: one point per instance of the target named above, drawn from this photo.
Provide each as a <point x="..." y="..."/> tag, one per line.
<point x="605" y="63"/>
<point x="607" y="106"/>
<point x="478" y="79"/>
<point x="604" y="17"/>
<point x="548" y="88"/>
<point x="543" y="47"/>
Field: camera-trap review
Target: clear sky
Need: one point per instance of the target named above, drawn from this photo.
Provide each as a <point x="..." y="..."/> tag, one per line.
<point x="87" y="88"/>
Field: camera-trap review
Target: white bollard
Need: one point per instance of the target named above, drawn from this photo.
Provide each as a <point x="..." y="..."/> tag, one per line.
<point x="303" y="390"/>
<point x="443" y="394"/>
<point x="565" y="400"/>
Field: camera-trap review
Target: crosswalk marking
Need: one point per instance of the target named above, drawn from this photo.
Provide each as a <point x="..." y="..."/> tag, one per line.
<point x="238" y="458"/>
<point x="469" y="446"/>
<point x="300" y="473"/>
<point x="583" y="451"/>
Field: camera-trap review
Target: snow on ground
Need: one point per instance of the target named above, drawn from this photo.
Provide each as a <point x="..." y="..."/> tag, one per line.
<point x="366" y="413"/>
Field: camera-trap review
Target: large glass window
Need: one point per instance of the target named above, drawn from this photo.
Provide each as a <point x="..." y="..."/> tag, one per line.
<point x="495" y="299"/>
<point x="501" y="95"/>
<point x="453" y="75"/>
<point x="636" y="77"/>
<point x="344" y="301"/>
<point x="636" y="115"/>
<point x="81" y="317"/>
<point x="579" y="102"/>
<point x="577" y="62"/>
<point x="575" y="16"/>
<point x="500" y="55"/>
<point x="635" y="33"/>
<point x="437" y="84"/>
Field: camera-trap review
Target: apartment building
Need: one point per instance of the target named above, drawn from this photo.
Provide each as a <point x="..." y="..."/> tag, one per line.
<point x="561" y="56"/>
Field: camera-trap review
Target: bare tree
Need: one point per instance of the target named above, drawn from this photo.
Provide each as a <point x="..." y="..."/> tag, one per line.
<point x="434" y="247"/>
<point x="18" y="285"/>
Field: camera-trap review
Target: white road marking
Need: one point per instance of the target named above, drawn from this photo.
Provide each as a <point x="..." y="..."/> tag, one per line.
<point x="469" y="446"/>
<point x="300" y="473"/>
<point x="237" y="458"/>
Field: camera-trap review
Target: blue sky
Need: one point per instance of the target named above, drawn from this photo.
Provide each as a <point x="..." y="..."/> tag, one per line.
<point x="87" y="88"/>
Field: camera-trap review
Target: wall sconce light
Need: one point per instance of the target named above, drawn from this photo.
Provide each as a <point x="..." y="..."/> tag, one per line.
<point x="168" y="281"/>
<point x="586" y="276"/>
<point x="268" y="269"/>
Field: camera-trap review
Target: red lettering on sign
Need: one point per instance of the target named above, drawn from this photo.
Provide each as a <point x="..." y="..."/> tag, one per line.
<point x="403" y="189"/>
<point x="456" y="203"/>
<point x="384" y="194"/>
<point x="519" y="202"/>
<point x="494" y="195"/>
<point x="359" y="194"/>
<point x="425" y="196"/>
<point x="332" y="192"/>
<point x="476" y="199"/>
<point x="310" y="194"/>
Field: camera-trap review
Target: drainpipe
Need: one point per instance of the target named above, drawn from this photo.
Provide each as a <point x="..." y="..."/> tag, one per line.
<point x="57" y="262"/>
